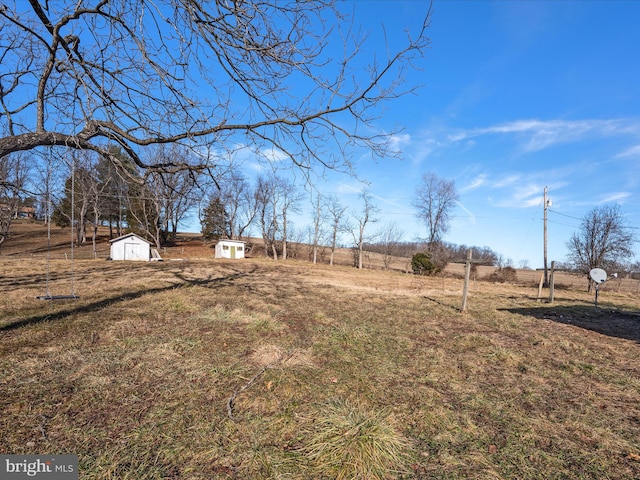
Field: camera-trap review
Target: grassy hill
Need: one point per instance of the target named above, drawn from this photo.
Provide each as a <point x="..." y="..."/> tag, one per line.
<point x="29" y="239"/>
<point x="206" y="369"/>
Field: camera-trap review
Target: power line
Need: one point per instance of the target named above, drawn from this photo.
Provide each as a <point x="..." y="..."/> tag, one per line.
<point x="564" y="224"/>
<point x="564" y="214"/>
<point x="576" y="218"/>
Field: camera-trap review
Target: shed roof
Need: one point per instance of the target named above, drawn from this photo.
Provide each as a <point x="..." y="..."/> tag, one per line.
<point x="123" y="237"/>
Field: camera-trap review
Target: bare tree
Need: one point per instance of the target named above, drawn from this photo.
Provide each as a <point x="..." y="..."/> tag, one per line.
<point x="155" y="207"/>
<point x="79" y="195"/>
<point x="523" y="264"/>
<point x="319" y="217"/>
<point x="276" y="197"/>
<point x="91" y="195"/>
<point x="14" y="173"/>
<point x="239" y="201"/>
<point x="265" y="192"/>
<point x="176" y="191"/>
<point x="364" y="218"/>
<point x="603" y="240"/>
<point x="134" y="73"/>
<point x="145" y="213"/>
<point x="290" y="199"/>
<point x="336" y="214"/>
<point x="295" y="239"/>
<point x="435" y="198"/>
<point x="97" y="194"/>
<point x="389" y="238"/>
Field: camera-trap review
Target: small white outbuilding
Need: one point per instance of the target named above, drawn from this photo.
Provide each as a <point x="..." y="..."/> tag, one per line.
<point x="130" y="247"/>
<point x="229" y="249"/>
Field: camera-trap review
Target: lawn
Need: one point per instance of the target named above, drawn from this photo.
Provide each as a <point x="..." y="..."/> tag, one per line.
<point x="256" y="369"/>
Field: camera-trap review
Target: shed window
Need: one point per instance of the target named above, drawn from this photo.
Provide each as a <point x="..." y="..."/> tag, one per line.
<point x="225" y="247"/>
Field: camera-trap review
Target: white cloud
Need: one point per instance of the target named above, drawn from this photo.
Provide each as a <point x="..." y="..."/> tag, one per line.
<point x="421" y="149"/>
<point x="477" y="182"/>
<point x="630" y="152"/>
<point x="343" y="188"/>
<point x="616" y="197"/>
<point x="526" y="191"/>
<point x="512" y="179"/>
<point x="273" y="154"/>
<point x="399" y="140"/>
<point x="542" y="134"/>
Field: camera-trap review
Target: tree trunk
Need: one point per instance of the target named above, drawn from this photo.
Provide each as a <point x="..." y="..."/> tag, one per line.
<point x="93" y="240"/>
<point x="284" y="235"/>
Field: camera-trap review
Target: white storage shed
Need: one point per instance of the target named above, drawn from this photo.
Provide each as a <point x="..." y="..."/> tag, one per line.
<point x="130" y="247"/>
<point x="229" y="249"/>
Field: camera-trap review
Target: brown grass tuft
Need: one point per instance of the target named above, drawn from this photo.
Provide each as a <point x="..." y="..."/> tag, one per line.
<point x="348" y="441"/>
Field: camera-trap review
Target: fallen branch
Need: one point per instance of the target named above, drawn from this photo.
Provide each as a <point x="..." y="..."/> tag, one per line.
<point x="254" y="379"/>
<point x="232" y="399"/>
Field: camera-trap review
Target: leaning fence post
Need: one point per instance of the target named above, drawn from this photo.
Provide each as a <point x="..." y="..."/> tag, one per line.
<point x="540" y="287"/>
<point x="467" y="274"/>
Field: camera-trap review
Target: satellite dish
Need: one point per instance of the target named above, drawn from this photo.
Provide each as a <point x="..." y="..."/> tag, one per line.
<point x="598" y="275"/>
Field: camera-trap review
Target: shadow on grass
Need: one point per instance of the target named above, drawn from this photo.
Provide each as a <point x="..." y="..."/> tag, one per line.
<point x="604" y="320"/>
<point x="97" y="306"/>
<point x="443" y="304"/>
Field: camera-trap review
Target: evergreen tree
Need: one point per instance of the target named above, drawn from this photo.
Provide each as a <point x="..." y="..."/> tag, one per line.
<point x="114" y="188"/>
<point x="214" y="220"/>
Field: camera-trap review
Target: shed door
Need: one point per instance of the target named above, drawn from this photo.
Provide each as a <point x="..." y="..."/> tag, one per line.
<point x="132" y="251"/>
<point x="233" y="251"/>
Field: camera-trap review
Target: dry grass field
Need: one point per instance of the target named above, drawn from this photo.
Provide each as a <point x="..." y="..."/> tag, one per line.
<point x="255" y="369"/>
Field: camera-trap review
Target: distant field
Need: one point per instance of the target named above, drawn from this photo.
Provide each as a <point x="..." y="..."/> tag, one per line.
<point x="255" y="369"/>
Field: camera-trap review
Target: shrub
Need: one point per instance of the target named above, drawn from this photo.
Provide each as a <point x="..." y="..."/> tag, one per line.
<point x="422" y="264"/>
<point x="504" y="275"/>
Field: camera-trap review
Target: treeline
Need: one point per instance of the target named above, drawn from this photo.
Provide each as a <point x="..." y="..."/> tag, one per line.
<point x="442" y="254"/>
<point x="85" y="191"/>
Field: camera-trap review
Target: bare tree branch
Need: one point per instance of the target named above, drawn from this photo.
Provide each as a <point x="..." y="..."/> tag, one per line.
<point x="435" y="198"/>
<point x="603" y="240"/>
<point x="133" y="73"/>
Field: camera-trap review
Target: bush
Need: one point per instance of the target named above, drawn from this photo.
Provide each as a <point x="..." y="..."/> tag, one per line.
<point x="504" y="275"/>
<point x="422" y="264"/>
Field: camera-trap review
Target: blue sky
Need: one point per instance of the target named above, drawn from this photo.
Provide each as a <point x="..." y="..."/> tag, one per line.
<point x="515" y="96"/>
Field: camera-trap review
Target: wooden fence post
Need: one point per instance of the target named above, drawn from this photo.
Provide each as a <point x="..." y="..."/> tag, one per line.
<point x="551" y="285"/>
<point x="467" y="274"/>
<point x="540" y="287"/>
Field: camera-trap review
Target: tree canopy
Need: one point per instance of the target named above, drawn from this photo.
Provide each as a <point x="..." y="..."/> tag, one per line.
<point x="215" y="76"/>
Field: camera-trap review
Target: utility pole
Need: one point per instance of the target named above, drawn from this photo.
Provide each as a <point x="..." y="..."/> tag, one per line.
<point x="546" y="205"/>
